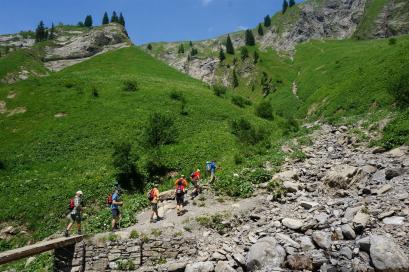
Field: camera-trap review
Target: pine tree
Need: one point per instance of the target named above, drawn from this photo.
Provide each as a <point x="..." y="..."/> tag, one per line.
<point x="256" y="57"/>
<point x="114" y="17"/>
<point x="52" y="32"/>
<point x="267" y="21"/>
<point x="80" y="24"/>
<point x="235" y="82"/>
<point x="190" y="43"/>
<point x="222" y="56"/>
<point x="194" y="52"/>
<point x="105" y="19"/>
<point x="121" y="19"/>
<point x="88" y="21"/>
<point x="149" y="47"/>
<point x="181" y="49"/>
<point x="291" y="3"/>
<point x="244" y="53"/>
<point x="260" y="30"/>
<point x="40" y="32"/>
<point x="229" y="46"/>
<point x="285" y="6"/>
<point x="250" y="41"/>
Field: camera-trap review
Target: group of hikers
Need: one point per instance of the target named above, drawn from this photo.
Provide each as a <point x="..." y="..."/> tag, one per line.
<point x="114" y="200"/>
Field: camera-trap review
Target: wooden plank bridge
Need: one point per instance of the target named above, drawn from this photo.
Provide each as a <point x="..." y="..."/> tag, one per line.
<point x="27" y="251"/>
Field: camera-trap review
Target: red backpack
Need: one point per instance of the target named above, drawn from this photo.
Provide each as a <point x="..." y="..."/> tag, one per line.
<point x="109" y="200"/>
<point x="72" y="204"/>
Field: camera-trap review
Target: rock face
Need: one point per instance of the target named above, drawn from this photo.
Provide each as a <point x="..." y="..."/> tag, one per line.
<point x="70" y="50"/>
<point x="387" y="256"/>
<point x="265" y="255"/>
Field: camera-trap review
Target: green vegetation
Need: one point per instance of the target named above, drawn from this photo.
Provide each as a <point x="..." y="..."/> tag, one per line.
<point x="105" y="19"/>
<point x="214" y="222"/>
<point x="134" y="234"/>
<point x="229" y="46"/>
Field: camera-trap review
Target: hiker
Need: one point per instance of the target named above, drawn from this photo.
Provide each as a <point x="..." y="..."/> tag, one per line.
<point x="153" y="197"/>
<point x="116" y="214"/>
<point x="180" y="191"/>
<point x="213" y="168"/>
<point x="195" y="177"/>
<point x="75" y="214"/>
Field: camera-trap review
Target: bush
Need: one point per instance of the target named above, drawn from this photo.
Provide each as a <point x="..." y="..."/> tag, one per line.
<point x="396" y="133"/>
<point x="233" y="186"/>
<point x="134" y="234"/>
<point x="219" y="90"/>
<point x="392" y="41"/>
<point x="240" y="101"/>
<point x="178" y="96"/>
<point x="213" y="222"/>
<point x="130" y="86"/>
<point x="276" y="188"/>
<point x="94" y="92"/>
<point x="290" y="126"/>
<point x="247" y="133"/>
<point x="400" y="88"/>
<point x="244" y="53"/>
<point x="264" y="110"/>
<point x="2" y="165"/>
<point x="160" y="130"/>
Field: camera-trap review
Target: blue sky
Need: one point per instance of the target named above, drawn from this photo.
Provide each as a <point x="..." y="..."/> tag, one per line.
<point x="146" y="20"/>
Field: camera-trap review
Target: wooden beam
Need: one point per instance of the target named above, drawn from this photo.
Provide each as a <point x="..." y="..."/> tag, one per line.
<point x="27" y="251"/>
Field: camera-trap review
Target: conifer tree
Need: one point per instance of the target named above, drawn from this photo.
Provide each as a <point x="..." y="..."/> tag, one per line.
<point x="52" y="32"/>
<point x="244" y="53"/>
<point x="267" y="21"/>
<point x="229" y="46"/>
<point x="235" y="82"/>
<point x="88" y="21"/>
<point x="250" y="41"/>
<point x="260" y="30"/>
<point x="222" y="56"/>
<point x="114" y="17"/>
<point x="149" y="47"/>
<point x="291" y="3"/>
<point x="190" y="43"/>
<point x="121" y="19"/>
<point x="194" y="52"/>
<point x="285" y="6"/>
<point x="40" y="32"/>
<point x="80" y="24"/>
<point x="105" y="19"/>
<point x="181" y="49"/>
<point x="256" y="57"/>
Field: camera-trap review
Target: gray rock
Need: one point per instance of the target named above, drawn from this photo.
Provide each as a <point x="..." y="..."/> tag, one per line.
<point x="394" y="220"/>
<point x="387" y="256"/>
<point x="361" y="219"/>
<point x="240" y="259"/>
<point x="265" y="254"/>
<point x="340" y="176"/>
<point x="200" y="267"/>
<point x="364" y="244"/>
<point x="300" y="262"/>
<point x="348" y="232"/>
<point x="308" y="204"/>
<point x="392" y="173"/>
<point x="384" y="189"/>
<point x="224" y="267"/>
<point x="291" y="187"/>
<point x="294" y="224"/>
<point x="322" y="239"/>
<point x="177" y="267"/>
<point x="286" y="240"/>
<point x="306" y="243"/>
<point x="346" y="252"/>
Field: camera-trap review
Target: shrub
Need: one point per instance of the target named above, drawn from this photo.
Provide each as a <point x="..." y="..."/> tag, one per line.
<point x="392" y="41"/>
<point x="213" y="222"/>
<point x="396" y="133"/>
<point x="219" y="90"/>
<point x="130" y="86"/>
<point x="156" y="232"/>
<point x="256" y="176"/>
<point x="400" y="88"/>
<point x="2" y="165"/>
<point x="276" y="188"/>
<point x="134" y="234"/>
<point x="178" y="96"/>
<point x="264" y="110"/>
<point x="94" y="92"/>
<point x="126" y="265"/>
<point x="240" y="101"/>
<point x="233" y="186"/>
<point x="290" y="126"/>
<point x="160" y="130"/>
<point x="238" y="158"/>
<point x="247" y="133"/>
<point x="244" y="53"/>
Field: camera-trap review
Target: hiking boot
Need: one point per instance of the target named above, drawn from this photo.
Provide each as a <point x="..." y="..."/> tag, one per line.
<point x="152" y="221"/>
<point x="159" y="219"/>
<point x="66" y="234"/>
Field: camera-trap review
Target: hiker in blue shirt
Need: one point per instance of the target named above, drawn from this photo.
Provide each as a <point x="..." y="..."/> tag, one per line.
<point x="116" y="214"/>
<point x="213" y="168"/>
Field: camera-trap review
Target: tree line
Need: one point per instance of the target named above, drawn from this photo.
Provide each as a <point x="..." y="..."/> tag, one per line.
<point x="43" y="33"/>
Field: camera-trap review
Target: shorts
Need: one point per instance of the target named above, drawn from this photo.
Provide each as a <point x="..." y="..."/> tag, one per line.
<point x="180" y="200"/>
<point x="76" y="217"/>
<point x="154" y="207"/>
<point x="115" y="213"/>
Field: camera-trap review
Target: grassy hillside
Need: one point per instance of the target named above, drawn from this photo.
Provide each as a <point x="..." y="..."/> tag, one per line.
<point x="64" y="141"/>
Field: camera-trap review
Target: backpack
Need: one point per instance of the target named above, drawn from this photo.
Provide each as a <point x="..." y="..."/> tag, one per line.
<point x="72" y="205"/>
<point x="180" y="190"/>
<point x="150" y="195"/>
<point x="109" y="200"/>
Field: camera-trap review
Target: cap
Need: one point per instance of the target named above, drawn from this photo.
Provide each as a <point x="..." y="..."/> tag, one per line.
<point x="198" y="170"/>
<point x="79" y="193"/>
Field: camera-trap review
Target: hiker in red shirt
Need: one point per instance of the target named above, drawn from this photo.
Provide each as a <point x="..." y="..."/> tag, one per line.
<point x="195" y="177"/>
<point x="181" y="184"/>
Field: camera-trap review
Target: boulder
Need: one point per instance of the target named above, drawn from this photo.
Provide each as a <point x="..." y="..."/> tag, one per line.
<point x="306" y="243"/>
<point x="200" y="267"/>
<point x="392" y="173"/>
<point x="364" y="244"/>
<point x="224" y="267"/>
<point x="348" y="232"/>
<point x="308" y="204"/>
<point x="361" y="219"/>
<point x="291" y="187"/>
<point x="294" y="224"/>
<point x="340" y="176"/>
<point x="384" y="189"/>
<point x="387" y="256"/>
<point x="287" y="175"/>
<point x="176" y="267"/>
<point x="265" y="254"/>
<point x="398" y="152"/>
<point x="299" y="262"/>
<point x="394" y="220"/>
<point x="167" y="195"/>
<point x="322" y="239"/>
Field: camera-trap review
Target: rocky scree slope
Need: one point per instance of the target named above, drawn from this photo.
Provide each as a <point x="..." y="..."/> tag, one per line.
<point x="347" y="209"/>
<point x="311" y="20"/>
<point x="71" y="45"/>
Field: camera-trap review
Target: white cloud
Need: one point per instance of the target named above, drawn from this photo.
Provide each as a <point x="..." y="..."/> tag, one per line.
<point x="206" y="2"/>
